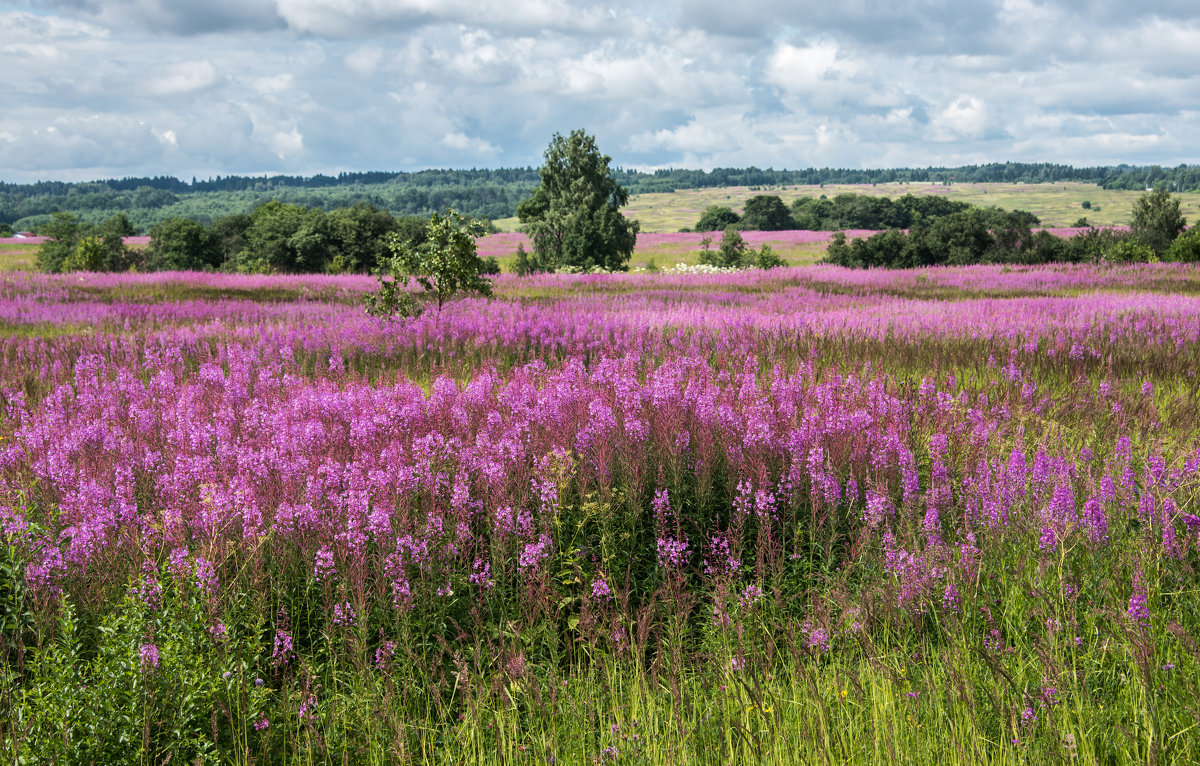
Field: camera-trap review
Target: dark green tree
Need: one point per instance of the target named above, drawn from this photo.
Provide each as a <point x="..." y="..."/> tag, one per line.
<point x="361" y="234"/>
<point x="1186" y="247"/>
<point x="6" y="230"/>
<point x="574" y="215"/>
<point x="230" y="232"/>
<point x="64" y="232"/>
<point x="1156" y="220"/>
<point x="284" y="238"/>
<point x="444" y="265"/>
<point x="766" y="212"/>
<point x="181" y="244"/>
<point x="112" y="233"/>
<point x="716" y="218"/>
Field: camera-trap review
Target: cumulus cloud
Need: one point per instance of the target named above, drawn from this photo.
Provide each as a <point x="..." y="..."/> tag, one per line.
<point x="352" y="18"/>
<point x="472" y="147"/>
<point x="128" y="87"/>
<point x="183" y="77"/>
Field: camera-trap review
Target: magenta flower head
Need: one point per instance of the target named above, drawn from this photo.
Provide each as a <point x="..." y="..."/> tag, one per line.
<point x="1138" y="610"/>
<point x="600" y="590"/>
<point x="150" y="659"/>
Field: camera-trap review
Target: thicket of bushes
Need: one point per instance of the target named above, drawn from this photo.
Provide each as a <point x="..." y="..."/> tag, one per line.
<point x="767" y="212"/>
<point x="276" y="237"/>
<point x="1157" y="233"/>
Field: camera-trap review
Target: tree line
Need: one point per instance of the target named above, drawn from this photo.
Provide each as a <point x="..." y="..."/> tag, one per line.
<point x="1157" y="233"/>
<point x="767" y="212"/>
<point x="494" y="193"/>
<point x="573" y="218"/>
<point x="274" y="237"/>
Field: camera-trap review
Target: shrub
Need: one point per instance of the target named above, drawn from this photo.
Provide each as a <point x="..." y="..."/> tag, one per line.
<point x="1185" y="248"/>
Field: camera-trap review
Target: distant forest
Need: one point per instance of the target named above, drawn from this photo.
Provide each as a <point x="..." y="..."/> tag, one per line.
<point x="488" y="193"/>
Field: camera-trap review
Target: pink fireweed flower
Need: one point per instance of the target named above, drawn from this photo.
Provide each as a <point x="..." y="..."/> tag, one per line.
<point x="533" y="554"/>
<point x="1138" y="610"/>
<point x="344" y="615"/>
<point x="149" y="656"/>
<point x="816" y="638"/>
<point x="750" y="596"/>
<point x="282" y="653"/>
<point x="323" y="567"/>
<point x="672" y="554"/>
<point x="384" y="654"/>
<point x="950" y="598"/>
<point x="600" y="590"/>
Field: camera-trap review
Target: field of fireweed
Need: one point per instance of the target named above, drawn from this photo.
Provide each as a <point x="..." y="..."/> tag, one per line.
<point x="806" y="515"/>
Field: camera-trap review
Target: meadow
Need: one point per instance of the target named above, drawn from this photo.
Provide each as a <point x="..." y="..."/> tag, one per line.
<point x="809" y="515"/>
<point x="17" y="256"/>
<point x="1056" y="204"/>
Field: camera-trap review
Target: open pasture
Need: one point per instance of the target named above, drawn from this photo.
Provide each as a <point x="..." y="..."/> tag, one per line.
<point x="17" y="255"/>
<point x="804" y="515"/>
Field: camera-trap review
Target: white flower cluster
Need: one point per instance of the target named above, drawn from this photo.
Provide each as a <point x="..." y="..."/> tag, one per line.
<point x="683" y="268"/>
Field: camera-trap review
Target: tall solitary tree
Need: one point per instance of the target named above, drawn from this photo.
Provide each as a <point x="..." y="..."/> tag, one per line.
<point x="1156" y="220"/>
<point x="574" y="215"/>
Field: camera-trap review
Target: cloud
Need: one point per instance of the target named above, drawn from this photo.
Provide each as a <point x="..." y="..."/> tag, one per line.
<point x="177" y="17"/>
<point x="184" y="77"/>
<point x="135" y="87"/>
<point x="965" y="117"/>
<point x="352" y="18"/>
<point x="791" y="67"/>
<point x="473" y="147"/>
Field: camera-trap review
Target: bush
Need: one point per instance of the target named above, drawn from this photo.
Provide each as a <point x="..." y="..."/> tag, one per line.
<point x="1185" y="248"/>
<point x="1129" y="250"/>
<point x="766" y="258"/>
<point x="716" y="218"/>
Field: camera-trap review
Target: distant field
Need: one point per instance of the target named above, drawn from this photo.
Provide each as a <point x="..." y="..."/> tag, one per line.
<point x="667" y="249"/>
<point x="1059" y="204"/>
<point x="17" y="257"/>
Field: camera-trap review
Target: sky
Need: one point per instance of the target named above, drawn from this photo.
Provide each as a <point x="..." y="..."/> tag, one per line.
<point x="112" y="88"/>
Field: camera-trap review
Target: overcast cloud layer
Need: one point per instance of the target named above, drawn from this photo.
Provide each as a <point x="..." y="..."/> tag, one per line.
<point x="102" y="88"/>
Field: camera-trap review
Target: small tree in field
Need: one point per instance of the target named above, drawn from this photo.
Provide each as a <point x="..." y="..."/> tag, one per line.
<point x="444" y="265"/>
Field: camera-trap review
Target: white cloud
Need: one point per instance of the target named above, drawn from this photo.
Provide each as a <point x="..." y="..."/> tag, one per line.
<point x="350" y="18"/>
<point x="475" y="147"/>
<point x="286" y="144"/>
<point x="365" y="60"/>
<point x="184" y="77"/>
<point x="239" y="86"/>
<point x="965" y="117"/>
<point x="693" y="138"/>
<point x="28" y="27"/>
<point x="790" y="67"/>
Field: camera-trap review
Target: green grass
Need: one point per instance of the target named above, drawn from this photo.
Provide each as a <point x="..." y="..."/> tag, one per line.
<point x="18" y="257"/>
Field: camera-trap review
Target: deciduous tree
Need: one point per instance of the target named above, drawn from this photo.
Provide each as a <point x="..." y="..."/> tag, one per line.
<point x="574" y="215"/>
<point x="1156" y="220"/>
<point x="444" y="265"/>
